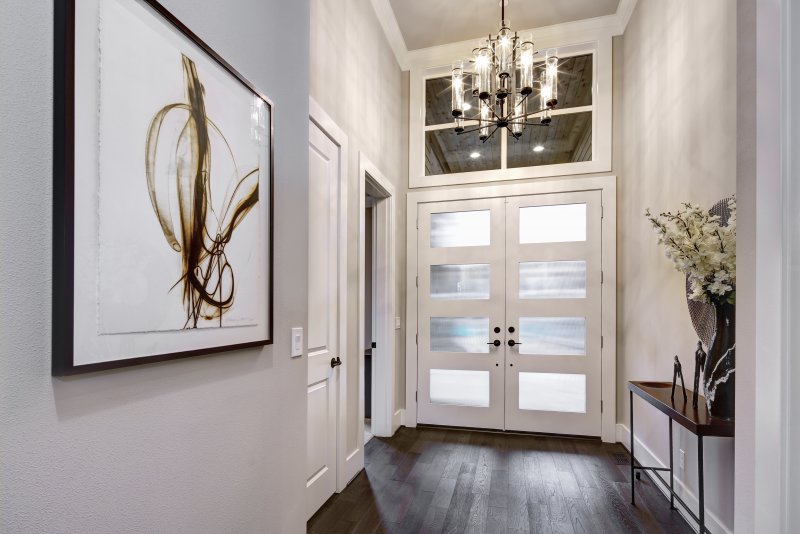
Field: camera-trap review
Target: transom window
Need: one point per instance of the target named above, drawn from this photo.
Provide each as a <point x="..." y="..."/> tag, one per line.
<point x="577" y="140"/>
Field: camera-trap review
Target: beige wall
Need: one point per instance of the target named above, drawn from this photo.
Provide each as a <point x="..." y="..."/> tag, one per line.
<point x="676" y="141"/>
<point x="357" y="81"/>
<point x="202" y="445"/>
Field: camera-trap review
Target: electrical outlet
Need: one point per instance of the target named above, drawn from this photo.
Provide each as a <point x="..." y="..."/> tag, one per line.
<point x="682" y="459"/>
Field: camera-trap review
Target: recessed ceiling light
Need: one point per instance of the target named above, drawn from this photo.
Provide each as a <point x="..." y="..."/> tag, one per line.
<point x="538" y="148"/>
<point x="467" y="106"/>
<point x="475" y="155"/>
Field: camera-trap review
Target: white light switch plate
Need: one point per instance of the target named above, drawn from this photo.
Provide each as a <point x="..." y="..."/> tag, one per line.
<point x="297" y="342"/>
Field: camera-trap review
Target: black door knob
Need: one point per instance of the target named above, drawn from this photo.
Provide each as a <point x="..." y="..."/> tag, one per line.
<point x="335" y="362"/>
<point x="496" y="343"/>
<point x="511" y="329"/>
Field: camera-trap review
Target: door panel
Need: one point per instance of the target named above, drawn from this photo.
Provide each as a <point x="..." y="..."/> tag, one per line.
<point x="322" y="318"/>
<point x="461" y="287"/>
<point x="553" y="303"/>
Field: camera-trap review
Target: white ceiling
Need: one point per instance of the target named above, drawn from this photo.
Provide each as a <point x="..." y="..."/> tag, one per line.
<point x="425" y="23"/>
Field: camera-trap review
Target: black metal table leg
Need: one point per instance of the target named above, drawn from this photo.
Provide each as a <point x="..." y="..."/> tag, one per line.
<point x="671" y="471"/>
<point x="633" y="474"/>
<point x="702" y="505"/>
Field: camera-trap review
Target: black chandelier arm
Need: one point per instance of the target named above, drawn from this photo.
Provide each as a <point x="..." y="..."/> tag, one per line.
<point x="537" y="113"/>
<point x="525" y="98"/>
<point x="531" y="123"/>
<point x="470" y="131"/>
<point x="492" y="134"/>
<point x="491" y="108"/>
<point x="494" y="123"/>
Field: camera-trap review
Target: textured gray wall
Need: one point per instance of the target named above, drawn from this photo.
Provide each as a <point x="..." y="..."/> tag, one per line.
<point x="205" y="445"/>
<point x="675" y="105"/>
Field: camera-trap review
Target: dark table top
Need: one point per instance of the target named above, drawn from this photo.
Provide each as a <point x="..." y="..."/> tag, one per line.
<point x="696" y="420"/>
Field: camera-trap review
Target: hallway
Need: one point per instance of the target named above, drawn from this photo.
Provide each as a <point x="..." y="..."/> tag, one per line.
<point x="438" y="480"/>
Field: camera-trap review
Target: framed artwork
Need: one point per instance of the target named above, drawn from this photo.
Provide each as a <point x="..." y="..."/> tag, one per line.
<point x="163" y="192"/>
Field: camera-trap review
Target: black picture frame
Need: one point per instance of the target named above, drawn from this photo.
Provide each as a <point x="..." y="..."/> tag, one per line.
<point x="63" y="261"/>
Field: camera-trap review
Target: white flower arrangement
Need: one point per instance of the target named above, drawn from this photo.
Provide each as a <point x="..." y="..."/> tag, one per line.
<point x="701" y="248"/>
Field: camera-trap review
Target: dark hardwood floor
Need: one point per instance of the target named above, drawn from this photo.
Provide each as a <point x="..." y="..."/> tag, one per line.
<point x="437" y="480"/>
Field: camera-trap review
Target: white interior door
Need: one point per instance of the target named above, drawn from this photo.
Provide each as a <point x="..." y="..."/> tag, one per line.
<point x="525" y="272"/>
<point x="553" y="305"/>
<point x="323" y="318"/>
<point x="461" y="312"/>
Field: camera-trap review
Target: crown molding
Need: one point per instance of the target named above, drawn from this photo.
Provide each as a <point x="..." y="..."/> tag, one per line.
<point x="388" y="21"/>
<point x="579" y="31"/>
<point x="624" y="12"/>
<point x="576" y="31"/>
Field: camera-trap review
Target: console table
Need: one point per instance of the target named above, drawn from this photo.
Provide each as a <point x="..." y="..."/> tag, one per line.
<point x="695" y="420"/>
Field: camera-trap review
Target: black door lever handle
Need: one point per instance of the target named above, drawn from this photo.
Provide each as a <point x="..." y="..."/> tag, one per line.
<point x="335" y="362"/>
<point x="511" y="343"/>
<point x="496" y="343"/>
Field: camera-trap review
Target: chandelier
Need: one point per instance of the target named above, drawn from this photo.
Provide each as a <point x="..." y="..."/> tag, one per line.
<point x="504" y="75"/>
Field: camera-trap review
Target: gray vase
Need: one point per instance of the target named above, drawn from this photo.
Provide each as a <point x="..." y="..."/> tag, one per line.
<point x="719" y="381"/>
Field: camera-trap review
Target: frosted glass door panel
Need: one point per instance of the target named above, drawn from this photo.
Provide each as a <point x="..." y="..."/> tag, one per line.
<point x="552" y="392"/>
<point x="460" y="334"/>
<point x="552" y="280"/>
<point x="460" y="388"/>
<point x="460" y="282"/>
<point x="461" y="229"/>
<point x="552" y="224"/>
<point x="565" y="336"/>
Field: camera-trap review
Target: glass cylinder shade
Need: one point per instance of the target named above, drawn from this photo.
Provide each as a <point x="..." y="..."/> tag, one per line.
<point x="504" y="51"/>
<point x="518" y="120"/>
<point x="486" y="112"/>
<point x="483" y="72"/>
<point x="526" y="68"/>
<point x="544" y="91"/>
<point x="458" y="89"/>
<point x="551" y="70"/>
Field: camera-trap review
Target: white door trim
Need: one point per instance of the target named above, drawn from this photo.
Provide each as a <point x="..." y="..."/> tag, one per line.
<point x="607" y="185"/>
<point x="384" y="420"/>
<point x="344" y="464"/>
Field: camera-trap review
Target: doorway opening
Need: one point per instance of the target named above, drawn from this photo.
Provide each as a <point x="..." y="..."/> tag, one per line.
<point x="369" y="307"/>
<point x="376" y="301"/>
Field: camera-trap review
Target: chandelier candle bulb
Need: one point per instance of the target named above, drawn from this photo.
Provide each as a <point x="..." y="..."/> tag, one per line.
<point x="518" y="123"/>
<point x="504" y="50"/>
<point x="545" y="91"/>
<point x="551" y="70"/>
<point x="526" y="67"/>
<point x="486" y="113"/>
<point x="458" y="89"/>
<point x="483" y="69"/>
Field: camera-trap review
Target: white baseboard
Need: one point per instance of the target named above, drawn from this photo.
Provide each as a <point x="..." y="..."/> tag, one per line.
<point x="398" y="419"/>
<point x="644" y="456"/>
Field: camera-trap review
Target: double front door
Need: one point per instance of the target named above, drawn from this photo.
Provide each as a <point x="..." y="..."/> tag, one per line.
<point x="509" y="333"/>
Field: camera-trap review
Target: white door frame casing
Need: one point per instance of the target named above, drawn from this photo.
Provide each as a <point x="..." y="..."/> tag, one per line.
<point x="384" y="418"/>
<point x="607" y="185"/>
<point x="347" y="465"/>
